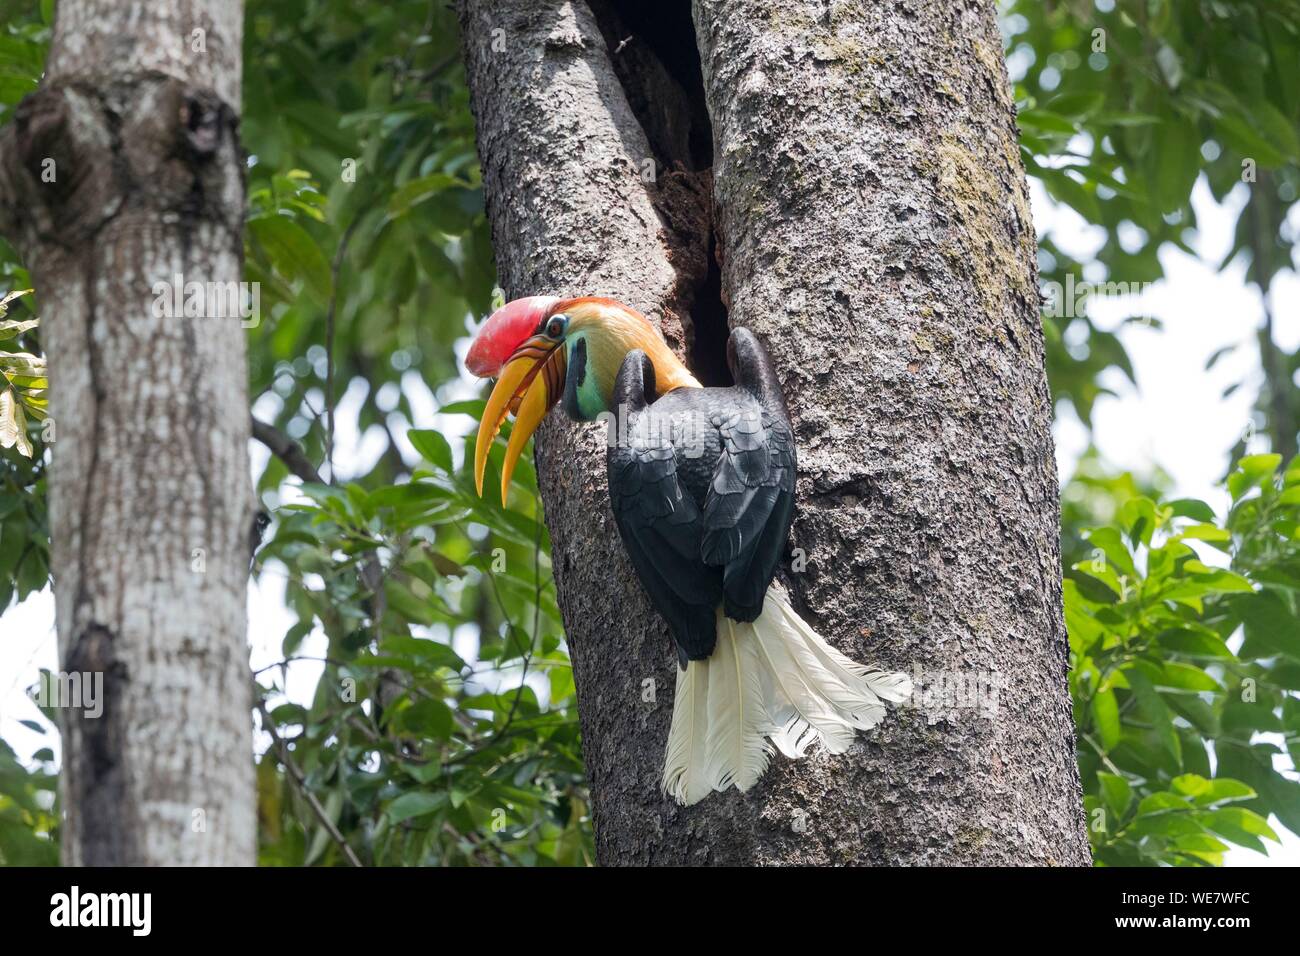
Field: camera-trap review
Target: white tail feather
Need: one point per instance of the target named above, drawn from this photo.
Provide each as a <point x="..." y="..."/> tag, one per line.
<point x="684" y="778"/>
<point x="807" y="701"/>
<point x="735" y="752"/>
<point x="770" y="685"/>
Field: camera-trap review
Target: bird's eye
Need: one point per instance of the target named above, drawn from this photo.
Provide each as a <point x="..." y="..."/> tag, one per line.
<point x="556" y="325"/>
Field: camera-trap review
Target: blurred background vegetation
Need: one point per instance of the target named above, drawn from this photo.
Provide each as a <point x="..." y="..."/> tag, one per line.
<point x="443" y="727"/>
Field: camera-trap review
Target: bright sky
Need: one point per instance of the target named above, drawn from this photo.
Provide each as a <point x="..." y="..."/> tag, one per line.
<point x="1175" y="418"/>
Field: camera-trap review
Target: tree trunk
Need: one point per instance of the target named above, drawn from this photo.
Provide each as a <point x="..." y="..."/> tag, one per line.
<point x="844" y="180"/>
<point x="121" y="173"/>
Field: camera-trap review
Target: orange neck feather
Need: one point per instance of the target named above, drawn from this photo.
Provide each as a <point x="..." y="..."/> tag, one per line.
<point x="613" y="329"/>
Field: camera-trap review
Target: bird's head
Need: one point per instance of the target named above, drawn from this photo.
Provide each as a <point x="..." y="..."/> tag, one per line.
<point x="543" y="349"/>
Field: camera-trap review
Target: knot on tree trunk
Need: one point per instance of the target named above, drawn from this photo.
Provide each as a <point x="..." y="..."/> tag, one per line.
<point x="78" y="154"/>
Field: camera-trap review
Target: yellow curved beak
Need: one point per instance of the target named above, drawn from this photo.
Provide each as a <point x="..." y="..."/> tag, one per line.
<point x="530" y="383"/>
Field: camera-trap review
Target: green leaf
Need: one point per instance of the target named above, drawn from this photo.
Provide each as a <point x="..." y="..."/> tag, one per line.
<point x="1116" y="551"/>
<point x="1269" y="622"/>
<point x="433" y="446"/>
<point x="13" y="328"/>
<point x="1205" y="532"/>
<point x="1116" y="793"/>
<point x="1186" y="677"/>
<point x="1223" y="790"/>
<point x="1191" y="508"/>
<point x="424" y="772"/>
<point x="414" y="804"/>
<point x="1075" y="104"/>
<point x="1177" y="162"/>
<point x="13" y="424"/>
<point x="1197" y="712"/>
<point x="1161" y="802"/>
<point x="435" y="653"/>
<point x="1253" y="471"/>
<point x="429" y="718"/>
<point x="1196" y="643"/>
<point x="1105" y="714"/>
<point x="1065" y="189"/>
<point x="293" y="637"/>
<point x="1202" y="846"/>
<point x="562" y="686"/>
<point x="418" y="190"/>
<point x="1253" y="765"/>
<point x="1138" y="516"/>
<point x="1047" y="121"/>
<point x="1156" y="712"/>
<point x="1239" y="715"/>
<point x="1094" y="589"/>
<point x="474" y="408"/>
<point x="293" y="252"/>
<point x="1240" y="826"/>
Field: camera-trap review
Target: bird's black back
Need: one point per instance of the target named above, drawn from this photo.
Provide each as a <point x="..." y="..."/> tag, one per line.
<point x="701" y="483"/>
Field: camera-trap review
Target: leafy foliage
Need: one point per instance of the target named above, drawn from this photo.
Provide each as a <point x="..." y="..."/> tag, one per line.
<point x="416" y="754"/>
<point x="29" y="812"/>
<point x="1184" y="672"/>
<point x="24" y="40"/>
<point x="366" y="211"/>
<point x="1123" y="105"/>
<point x="1093" y="496"/>
<point x="24" y="536"/>
<point x="23" y="380"/>
<point x="366" y="226"/>
<point x="24" y="532"/>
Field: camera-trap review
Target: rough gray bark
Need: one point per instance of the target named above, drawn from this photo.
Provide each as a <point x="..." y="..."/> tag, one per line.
<point x="150" y="501"/>
<point x="871" y="219"/>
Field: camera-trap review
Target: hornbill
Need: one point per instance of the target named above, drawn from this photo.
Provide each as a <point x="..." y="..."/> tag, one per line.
<point x="701" y="483"/>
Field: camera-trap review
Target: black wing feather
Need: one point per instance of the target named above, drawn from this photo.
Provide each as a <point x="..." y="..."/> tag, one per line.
<point x="659" y="522"/>
<point x="750" y="502"/>
<point x="711" y="530"/>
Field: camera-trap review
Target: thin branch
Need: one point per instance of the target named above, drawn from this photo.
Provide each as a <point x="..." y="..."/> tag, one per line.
<point x="371" y="572"/>
<point x="301" y="782"/>
<point x="287" y="450"/>
<point x="335" y="268"/>
<point x="10" y="187"/>
<point x="537" y="616"/>
<point x="504" y="733"/>
<point x="304" y="657"/>
<point x="440" y="66"/>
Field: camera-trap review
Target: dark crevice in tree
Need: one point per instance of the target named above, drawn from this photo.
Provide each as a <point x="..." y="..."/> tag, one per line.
<point x="653" y="51"/>
<point x="709" y="323"/>
<point x="100" y="780"/>
<point x="652" y="47"/>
